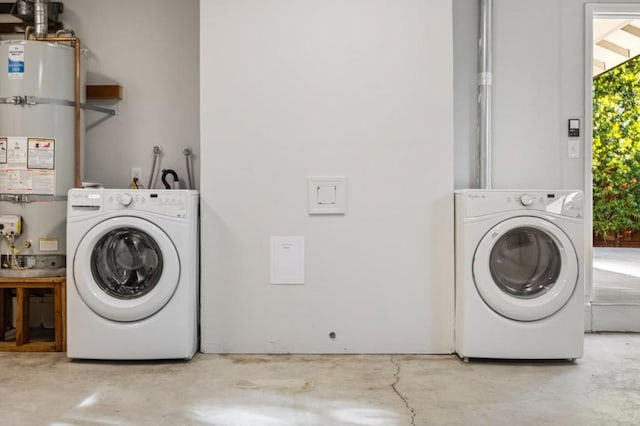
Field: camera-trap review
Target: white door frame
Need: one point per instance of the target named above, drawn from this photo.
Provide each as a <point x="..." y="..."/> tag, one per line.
<point x="595" y="11"/>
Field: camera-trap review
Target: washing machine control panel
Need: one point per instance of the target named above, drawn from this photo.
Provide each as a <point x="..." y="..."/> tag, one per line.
<point x="487" y="202"/>
<point x="165" y="202"/>
<point x="169" y="203"/>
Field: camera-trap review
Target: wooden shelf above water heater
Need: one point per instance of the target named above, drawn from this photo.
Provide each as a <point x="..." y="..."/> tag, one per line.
<point x="104" y="92"/>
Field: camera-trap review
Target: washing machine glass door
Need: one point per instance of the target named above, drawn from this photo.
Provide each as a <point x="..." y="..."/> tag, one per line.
<point x="525" y="268"/>
<point x="126" y="268"/>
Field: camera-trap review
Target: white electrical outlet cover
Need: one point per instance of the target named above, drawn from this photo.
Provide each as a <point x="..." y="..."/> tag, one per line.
<point x="136" y="172"/>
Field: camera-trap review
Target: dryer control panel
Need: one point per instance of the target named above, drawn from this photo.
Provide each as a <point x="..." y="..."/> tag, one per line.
<point x="485" y="202"/>
<point x="174" y="203"/>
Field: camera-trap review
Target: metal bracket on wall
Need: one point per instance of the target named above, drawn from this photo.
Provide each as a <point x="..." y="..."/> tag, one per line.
<point x="97" y="108"/>
<point x="98" y="121"/>
<point x="28" y="198"/>
<point x="102" y="92"/>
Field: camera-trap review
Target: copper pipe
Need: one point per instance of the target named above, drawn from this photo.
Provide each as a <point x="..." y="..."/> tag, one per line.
<point x="75" y="42"/>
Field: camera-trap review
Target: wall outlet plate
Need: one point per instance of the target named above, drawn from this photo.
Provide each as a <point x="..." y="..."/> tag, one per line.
<point x="573" y="146"/>
<point x="136" y="173"/>
<point x="327" y="194"/>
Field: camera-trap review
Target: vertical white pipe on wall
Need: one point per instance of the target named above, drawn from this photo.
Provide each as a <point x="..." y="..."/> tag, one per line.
<point x="484" y="94"/>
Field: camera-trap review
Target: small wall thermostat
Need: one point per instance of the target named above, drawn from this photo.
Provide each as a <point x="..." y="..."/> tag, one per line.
<point x="574" y="127"/>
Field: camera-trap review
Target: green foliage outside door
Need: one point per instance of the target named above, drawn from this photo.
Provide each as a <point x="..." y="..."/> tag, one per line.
<point x="616" y="151"/>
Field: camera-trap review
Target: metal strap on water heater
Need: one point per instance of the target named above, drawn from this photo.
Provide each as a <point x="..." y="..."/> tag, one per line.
<point x="33" y="100"/>
<point x="29" y="198"/>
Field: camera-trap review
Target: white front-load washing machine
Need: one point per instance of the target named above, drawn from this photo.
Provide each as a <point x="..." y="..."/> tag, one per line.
<point x="519" y="274"/>
<point x="132" y="274"/>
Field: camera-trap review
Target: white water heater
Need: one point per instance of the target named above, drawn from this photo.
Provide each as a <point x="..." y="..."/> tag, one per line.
<point x="37" y="150"/>
<point x="37" y="93"/>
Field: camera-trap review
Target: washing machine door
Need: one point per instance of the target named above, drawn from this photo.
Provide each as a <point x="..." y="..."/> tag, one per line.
<point x="525" y="268"/>
<point x="126" y="268"/>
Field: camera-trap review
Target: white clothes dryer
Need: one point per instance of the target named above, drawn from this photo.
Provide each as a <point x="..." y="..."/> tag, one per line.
<point x="519" y="274"/>
<point x="132" y="277"/>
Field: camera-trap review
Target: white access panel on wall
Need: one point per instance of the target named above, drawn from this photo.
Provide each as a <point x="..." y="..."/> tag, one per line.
<point x="292" y="89"/>
<point x="287" y="260"/>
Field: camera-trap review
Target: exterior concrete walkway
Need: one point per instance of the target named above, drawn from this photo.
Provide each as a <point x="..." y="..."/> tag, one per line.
<point x="615" y="305"/>
<point x="616" y="275"/>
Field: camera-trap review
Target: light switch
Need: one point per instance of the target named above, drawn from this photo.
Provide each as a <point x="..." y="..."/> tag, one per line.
<point x="287" y="260"/>
<point x="327" y="194"/>
<point x="574" y="148"/>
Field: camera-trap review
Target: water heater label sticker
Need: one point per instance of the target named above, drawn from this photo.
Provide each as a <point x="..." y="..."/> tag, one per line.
<point x="3" y="150"/>
<point x="17" y="152"/>
<point x="41" y="154"/>
<point x="16" y="62"/>
<point x="44" y="182"/>
<point x="19" y="181"/>
<point x="48" y="244"/>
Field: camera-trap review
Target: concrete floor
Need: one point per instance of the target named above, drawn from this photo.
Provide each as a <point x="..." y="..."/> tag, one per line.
<point x="258" y="390"/>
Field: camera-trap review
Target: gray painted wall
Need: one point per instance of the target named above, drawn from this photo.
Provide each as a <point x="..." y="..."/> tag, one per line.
<point x="465" y="65"/>
<point x="358" y="88"/>
<point x="531" y="105"/>
<point x="538" y="85"/>
<point x="151" y="50"/>
<point x="526" y="94"/>
<point x="538" y="82"/>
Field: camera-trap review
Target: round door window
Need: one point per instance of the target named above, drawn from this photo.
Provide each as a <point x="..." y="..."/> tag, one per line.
<point x="525" y="262"/>
<point x="525" y="268"/>
<point x="126" y="268"/>
<point x="126" y="263"/>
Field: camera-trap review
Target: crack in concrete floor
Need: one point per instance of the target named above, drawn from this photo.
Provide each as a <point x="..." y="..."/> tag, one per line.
<point x="394" y="386"/>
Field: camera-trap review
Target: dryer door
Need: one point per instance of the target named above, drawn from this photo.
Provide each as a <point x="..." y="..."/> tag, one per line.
<point x="126" y="268"/>
<point x="525" y="268"/>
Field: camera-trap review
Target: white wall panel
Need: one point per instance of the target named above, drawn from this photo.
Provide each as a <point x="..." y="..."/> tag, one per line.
<point x="357" y="88"/>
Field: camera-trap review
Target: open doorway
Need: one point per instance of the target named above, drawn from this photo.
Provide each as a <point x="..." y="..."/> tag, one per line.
<point x="612" y="142"/>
